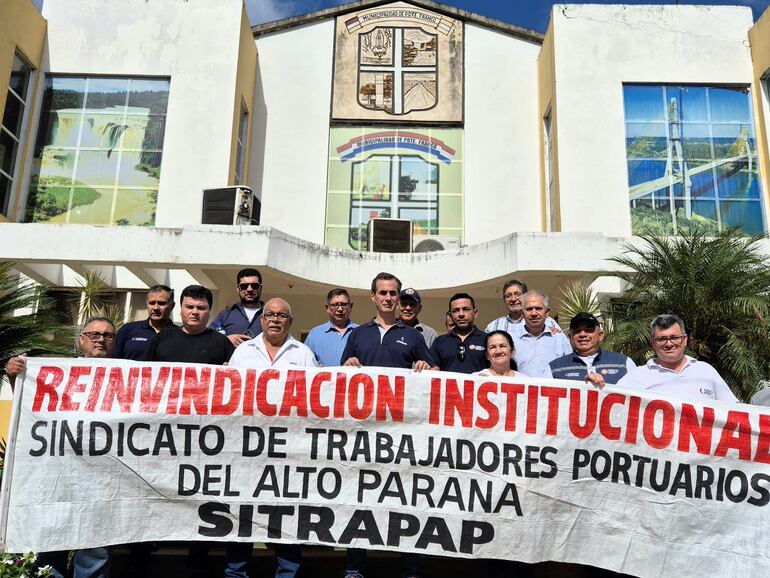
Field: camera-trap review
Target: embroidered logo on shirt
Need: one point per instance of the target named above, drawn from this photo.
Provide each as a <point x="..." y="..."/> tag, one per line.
<point x="707" y="392"/>
<point x="401" y="341"/>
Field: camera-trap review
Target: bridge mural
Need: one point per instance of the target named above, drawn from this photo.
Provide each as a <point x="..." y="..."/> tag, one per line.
<point x="692" y="158"/>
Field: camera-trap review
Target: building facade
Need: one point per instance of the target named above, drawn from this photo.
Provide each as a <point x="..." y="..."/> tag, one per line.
<point x="474" y="132"/>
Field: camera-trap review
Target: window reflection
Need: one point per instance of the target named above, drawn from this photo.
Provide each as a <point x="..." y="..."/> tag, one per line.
<point x="692" y="159"/>
<point x="98" y="152"/>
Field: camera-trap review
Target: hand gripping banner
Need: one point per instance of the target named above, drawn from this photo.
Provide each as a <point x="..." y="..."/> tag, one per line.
<point x="112" y="452"/>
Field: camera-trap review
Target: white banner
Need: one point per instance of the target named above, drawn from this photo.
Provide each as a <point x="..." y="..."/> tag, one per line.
<point x="109" y="452"/>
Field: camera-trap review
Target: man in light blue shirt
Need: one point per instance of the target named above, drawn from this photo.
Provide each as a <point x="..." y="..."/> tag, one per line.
<point x="537" y="344"/>
<point x="328" y="341"/>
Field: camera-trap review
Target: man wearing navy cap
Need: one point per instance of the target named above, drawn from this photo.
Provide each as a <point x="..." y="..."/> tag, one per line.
<point x="587" y="357"/>
<point x="410" y="306"/>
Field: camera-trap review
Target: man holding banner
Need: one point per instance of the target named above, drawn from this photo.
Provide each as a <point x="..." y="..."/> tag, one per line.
<point x="275" y="347"/>
<point x="96" y="340"/>
<point x="386" y="342"/>
<point x="194" y="342"/>
<point x="671" y="372"/>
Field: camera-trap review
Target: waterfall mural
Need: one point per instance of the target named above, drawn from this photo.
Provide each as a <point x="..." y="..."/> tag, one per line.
<point x="98" y="152"/>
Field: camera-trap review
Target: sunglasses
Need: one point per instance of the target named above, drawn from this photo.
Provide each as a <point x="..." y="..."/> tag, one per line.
<point x="461" y="352"/>
<point x="96" y="335"/>
<point x="245" y="286"/>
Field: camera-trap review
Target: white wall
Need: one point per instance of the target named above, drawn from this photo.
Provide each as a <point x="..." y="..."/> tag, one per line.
<point x="291" y="140"/>
<point x="193" y="43"/>
<point x="502" y="165"/>
<point x="597" y="49"/>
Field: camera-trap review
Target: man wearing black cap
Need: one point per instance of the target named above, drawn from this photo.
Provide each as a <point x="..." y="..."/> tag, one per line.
<point x="409" y="308"/>
<point x="587" y="360"/>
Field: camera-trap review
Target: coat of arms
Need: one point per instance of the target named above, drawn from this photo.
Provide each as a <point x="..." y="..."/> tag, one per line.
<point x="397" y="70"/>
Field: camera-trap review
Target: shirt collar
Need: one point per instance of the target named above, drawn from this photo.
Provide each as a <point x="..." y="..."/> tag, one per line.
<point x="330" y="326"/>
<point x="652" y="363"/>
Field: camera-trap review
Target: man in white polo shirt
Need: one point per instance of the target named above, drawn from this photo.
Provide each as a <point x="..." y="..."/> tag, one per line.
<point x="671" y="372"/>
<point x="276" y="348"/>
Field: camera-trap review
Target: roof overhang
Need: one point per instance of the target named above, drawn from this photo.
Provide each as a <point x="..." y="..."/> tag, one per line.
<point x="138" y="257"/>
<point x="490" y="23"/>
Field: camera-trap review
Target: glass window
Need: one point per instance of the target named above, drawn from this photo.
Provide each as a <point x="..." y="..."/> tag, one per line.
<point x="11" y="129"/>
<point x="99" y="150"/>
<point x="413" y="174"/>
<point x="240" y="150"/>
<point x="692" y="159"/>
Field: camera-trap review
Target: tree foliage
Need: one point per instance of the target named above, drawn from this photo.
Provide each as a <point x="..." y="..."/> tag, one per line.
<point x="32" y="332"/>
<point x="719" y="285"/>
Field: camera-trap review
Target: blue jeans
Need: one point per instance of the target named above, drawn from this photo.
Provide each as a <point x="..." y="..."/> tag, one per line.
<point x="88" y="563"/>
<point x="288" y="557"/>
<point x="411" y="564"/>
<point x="237" y="559"/>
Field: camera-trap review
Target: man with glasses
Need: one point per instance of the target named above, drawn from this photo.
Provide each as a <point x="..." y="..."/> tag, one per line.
<point x="96" y="340"/>
<point x="671" y="372"/>
<point x="328" y="340"/>
<point x="513" y="322"/>
<point x="588" y="361"/>
<point x="241" y="322"/>
<point x="410" y="306"/>
<point x="462" y="348"/>
<point x="276" y="348"/>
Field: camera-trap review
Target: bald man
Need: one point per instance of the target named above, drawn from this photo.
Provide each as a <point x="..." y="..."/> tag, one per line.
<point x="275" y="347"/>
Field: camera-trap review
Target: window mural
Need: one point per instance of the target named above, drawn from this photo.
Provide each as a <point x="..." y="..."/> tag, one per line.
<point x="692" y="158"/>
<point x="98" y="153"/>
<point x="413" y="174"/>
<point x="398" y="62"/>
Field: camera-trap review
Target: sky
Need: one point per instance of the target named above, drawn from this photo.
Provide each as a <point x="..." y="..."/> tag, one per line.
<point x="532" y="14"/>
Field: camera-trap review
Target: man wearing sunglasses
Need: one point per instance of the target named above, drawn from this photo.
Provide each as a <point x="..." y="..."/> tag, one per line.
<point x="671" y="372"/>
<point x="96" y="339"/>
<point x="241" y="321"/>
<point x="588" y="361"/>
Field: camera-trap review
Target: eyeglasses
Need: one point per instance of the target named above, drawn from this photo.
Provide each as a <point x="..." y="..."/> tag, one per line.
<point x="461" y="352"/>
<point x="675" y="339"/>
<point x="95" y="335"/>
<point x="280" y="316"/>
<point x="338" y="305"/>
<point x="245" y="286"/>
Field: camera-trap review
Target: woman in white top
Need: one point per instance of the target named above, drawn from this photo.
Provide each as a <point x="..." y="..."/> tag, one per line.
<point x="499" y="351"/>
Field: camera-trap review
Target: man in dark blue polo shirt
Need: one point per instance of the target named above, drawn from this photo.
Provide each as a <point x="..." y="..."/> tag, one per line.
<point x="462" y="349"/>
<point x="385" y="342"/>
<point x="240" y="322"/>
<point x="132" y="339"/>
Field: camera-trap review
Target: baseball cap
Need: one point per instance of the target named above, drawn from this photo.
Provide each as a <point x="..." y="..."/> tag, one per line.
<point x="409" y="293"/>
<point x="583" y="318"/>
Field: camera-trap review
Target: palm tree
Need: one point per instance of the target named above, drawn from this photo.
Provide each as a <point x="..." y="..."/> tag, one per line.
<point x="34" y="332"/>
<point x="719" y="285"/>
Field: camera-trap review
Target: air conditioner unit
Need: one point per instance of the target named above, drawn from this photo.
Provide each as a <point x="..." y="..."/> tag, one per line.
<point x="230" y="206"/>
<point x="425" y="243"/>
<point x="390" y="235"/>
